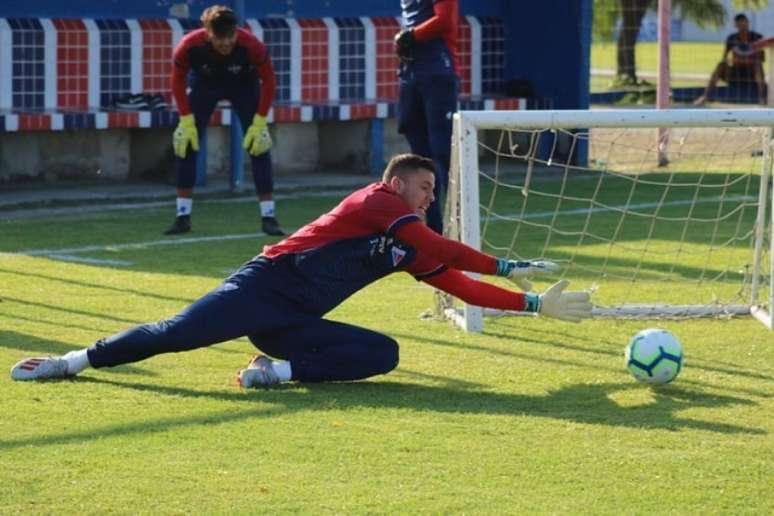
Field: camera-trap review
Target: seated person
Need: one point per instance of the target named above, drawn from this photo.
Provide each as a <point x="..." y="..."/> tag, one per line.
<point x="746" y="63"/>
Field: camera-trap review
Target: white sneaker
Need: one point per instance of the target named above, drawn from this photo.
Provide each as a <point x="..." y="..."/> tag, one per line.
<point x="39" y="368"/>
<point x="259" y="372"/>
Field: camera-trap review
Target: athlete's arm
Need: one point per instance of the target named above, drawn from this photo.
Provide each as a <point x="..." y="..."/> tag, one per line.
<point x="259" y="56"/>
<point x="445" y="12"/>
<point x="476" y="292"/>
<point x="180" y="67"/>
<point x="449" y="252"/>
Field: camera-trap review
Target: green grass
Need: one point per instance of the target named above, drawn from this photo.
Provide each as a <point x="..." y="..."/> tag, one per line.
<point x="685" y="58"/>
<point x="531" y="416"/>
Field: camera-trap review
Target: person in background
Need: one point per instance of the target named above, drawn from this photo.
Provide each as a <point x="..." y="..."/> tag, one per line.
<point x="224" y="62"/>
<point x="429" y="86"/>
<point x="746" y="64"/>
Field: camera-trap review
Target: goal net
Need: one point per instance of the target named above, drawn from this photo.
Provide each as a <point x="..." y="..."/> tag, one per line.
<point x="672" y="223"/>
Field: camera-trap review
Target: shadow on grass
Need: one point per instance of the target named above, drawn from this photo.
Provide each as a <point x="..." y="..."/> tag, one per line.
<point x="86" y="284"/>
<point x="695" y="363"/>
<point x="32" y="345"/>
<point x="581" y="403"/>
<point x="514" y="353"/>
<point x="59" y="324"/>
<point x="72" y="311"/>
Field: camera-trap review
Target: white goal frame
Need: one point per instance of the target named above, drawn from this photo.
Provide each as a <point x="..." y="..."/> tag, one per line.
<point x="466" y="224"/>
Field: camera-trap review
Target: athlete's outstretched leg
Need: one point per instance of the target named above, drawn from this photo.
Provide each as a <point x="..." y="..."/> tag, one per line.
<point x="325" y="351"/>
<point x="241" y="305"/>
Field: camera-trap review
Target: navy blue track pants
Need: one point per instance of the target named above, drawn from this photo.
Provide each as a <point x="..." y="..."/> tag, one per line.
<point x="251" y="303"/>
<point x="427" y="103"/>
<point x="203" y="98"/>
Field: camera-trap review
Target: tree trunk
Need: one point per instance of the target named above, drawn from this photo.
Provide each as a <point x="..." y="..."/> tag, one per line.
<point x="632" y="12"/>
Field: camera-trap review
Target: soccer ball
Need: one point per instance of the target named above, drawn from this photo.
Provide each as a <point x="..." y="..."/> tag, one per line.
<point x="654" y="356"/>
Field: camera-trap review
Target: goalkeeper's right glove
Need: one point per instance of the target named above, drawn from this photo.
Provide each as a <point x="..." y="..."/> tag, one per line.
<point x="554" y="302"/>
<point x="520" y="272"/>
<point x="185" y="134"/>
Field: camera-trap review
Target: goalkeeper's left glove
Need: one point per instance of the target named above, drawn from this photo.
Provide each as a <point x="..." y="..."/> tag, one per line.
<point x="257" y="138"/>
<point x="567" y="306"/>
<point x="519" y="272"/>
<point x="404" y="44"/>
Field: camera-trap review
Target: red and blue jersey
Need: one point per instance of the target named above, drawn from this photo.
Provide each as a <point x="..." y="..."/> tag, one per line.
<point x="435" y="27"/>
<point x="370" y="234"/>
<point x="348" y="248"/>
<point x="248" y="61"/>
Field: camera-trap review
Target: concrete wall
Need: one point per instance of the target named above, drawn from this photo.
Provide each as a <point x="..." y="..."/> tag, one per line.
<point x="51" y="156"/>
<point x="121" y="154"/>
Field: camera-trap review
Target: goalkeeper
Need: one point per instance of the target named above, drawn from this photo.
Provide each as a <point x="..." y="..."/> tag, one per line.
<point x="221" y="61"/>
<point x="279" y="298"/>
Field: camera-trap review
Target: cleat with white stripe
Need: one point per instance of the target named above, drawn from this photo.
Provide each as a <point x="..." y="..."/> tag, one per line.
<point x="39" y="368"/>
<point x="259" y="372"/>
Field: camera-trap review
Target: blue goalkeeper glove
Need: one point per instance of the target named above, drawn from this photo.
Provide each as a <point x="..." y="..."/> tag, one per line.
<point x="257" y="137"/>
<point x="520" y="272"/>
<point x="572" y="306"/>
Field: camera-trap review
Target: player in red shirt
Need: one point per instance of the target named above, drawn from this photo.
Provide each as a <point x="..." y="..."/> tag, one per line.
<point x="222" y="61"/>
<point x="429" y="86"/>
<point x="279" y="298"/>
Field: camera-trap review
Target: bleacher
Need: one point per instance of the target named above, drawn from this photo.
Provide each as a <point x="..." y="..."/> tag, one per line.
<point x="66" y="74"/>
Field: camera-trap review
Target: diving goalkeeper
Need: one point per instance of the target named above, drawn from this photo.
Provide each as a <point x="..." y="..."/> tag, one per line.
<point x="279" y="298"/>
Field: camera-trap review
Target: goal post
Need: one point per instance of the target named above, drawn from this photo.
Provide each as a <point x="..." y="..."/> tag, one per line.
<point x="585" y="189"/>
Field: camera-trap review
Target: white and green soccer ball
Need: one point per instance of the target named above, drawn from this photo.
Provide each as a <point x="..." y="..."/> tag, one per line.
<point x="654" y="356"/>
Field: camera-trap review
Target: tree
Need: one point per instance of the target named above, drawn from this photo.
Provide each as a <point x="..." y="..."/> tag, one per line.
<point x="607" y="13"/>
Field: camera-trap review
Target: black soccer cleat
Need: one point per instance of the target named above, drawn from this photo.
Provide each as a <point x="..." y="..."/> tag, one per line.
<point x="271" y="227"/>
<point x="181" y="225"/>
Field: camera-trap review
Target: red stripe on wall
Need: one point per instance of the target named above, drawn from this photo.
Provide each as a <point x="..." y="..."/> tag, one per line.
<point x="121" y="119"/>
<point x="72" y="64"/>
<point x="156" y="57"/>
<point x="385" y="29"/>
<point x="314" y="60"/>
<point x="464" y="46"/>
<point x="34" y="122"/>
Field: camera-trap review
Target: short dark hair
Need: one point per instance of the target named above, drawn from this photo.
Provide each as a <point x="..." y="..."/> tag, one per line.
<point x="402" y="165"/>
<point x="740" y="17"/>
<point x="219" y="19"/>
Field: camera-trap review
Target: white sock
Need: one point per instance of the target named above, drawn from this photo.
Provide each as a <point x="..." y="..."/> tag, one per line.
<point x="282" y="368"/>
<point x="184" y="206"/>
<point x="267" y="208"/>
<point x="77" y="361"/>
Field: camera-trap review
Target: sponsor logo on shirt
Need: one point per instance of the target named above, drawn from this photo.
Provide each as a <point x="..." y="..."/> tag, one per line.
<point x="397" y="255"/>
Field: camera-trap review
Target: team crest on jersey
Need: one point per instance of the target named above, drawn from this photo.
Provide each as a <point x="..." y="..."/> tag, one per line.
<point x="397" y="255"/>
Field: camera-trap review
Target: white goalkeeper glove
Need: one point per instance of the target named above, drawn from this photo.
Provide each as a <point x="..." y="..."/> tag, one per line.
<point x="520" y="272"/>
<point x="570" y="306"/>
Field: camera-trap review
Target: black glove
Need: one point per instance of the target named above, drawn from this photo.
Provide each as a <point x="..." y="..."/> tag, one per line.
<point x="404" y="44"/>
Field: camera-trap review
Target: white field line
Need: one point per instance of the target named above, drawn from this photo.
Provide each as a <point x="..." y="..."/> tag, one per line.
<point x="68" y="254"/>
<point x="90" y="261"/>
<point x="620" y="207"/>
<point x="136" y="245"/>
<point x="29" y="213"/>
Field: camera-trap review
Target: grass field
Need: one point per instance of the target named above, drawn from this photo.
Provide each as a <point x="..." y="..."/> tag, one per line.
<point x="531" y="416"/>
<point x="691" y="63"/>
